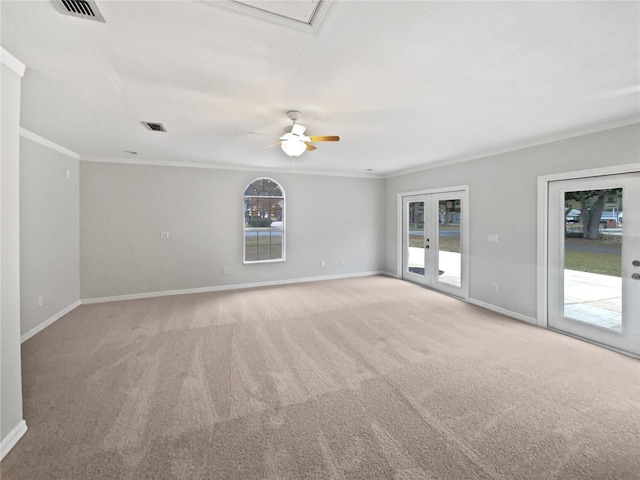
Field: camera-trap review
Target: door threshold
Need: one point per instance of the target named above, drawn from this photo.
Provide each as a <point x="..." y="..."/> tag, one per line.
<point x="597" y="344"/>
<point x="435" y="290"/>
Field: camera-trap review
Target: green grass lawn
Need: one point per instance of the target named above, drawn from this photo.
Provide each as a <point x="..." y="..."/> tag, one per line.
<point x="446" y="244"/>
<point x="606" y="261"/>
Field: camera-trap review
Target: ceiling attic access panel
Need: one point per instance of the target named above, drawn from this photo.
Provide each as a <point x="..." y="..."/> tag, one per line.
<point x="297" y="10"/>
<point x="303" y="15"/>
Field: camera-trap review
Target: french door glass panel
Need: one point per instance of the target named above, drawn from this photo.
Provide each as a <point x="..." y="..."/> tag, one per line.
<point x="416" y="237"/>
<point x="432" y="241"/>
<point x="449" y="252"/>
<point x="594" y="259"/>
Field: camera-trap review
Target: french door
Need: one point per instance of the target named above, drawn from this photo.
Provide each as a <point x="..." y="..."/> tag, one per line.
<point x="434" y="241"/>
<point x="594" y="259"/>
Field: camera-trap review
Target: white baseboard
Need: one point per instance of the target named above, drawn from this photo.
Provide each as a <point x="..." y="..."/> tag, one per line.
<point x="503" y="311"/>
<point x="48" y="322"/>
<point x="390" y="274"/>
<point x="219" y="288"/>
<point x="12" y="438"/>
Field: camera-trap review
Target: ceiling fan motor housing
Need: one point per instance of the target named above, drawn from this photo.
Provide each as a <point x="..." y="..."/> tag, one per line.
<point x="298" y="130"/>
<point x="294" y="115"/>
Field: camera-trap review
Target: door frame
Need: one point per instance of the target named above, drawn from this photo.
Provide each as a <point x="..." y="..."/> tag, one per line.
<point x="463" y="191"/>
<point x="542" y="254"/>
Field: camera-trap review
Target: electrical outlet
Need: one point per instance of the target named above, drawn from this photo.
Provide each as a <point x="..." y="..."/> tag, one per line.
<point x="40" y="301"/>
<point x="495" y="287"/>
<point x="341" y="262"/>
<point x="164" y="234"/>
<point x="323" y="264"/>
<point x="225" y="270"/>
<point x="493" y="237"/>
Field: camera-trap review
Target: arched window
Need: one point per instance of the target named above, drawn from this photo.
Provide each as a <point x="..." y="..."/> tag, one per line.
<point x="264" y="221"/>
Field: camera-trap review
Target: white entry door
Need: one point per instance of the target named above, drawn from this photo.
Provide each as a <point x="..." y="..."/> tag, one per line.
<point x="434" y="241"/>
<point x="594" y="259"/>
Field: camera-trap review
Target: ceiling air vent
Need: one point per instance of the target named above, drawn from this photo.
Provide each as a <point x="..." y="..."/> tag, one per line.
<point x="79" y="8"/>
<point x="156" y="127"/>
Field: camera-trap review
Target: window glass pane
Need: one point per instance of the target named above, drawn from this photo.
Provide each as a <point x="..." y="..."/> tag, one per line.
<point x="449" y="257"/>
<point x="416" y="238"/>
<point x="276" y="251"/>
<point x="264" y="246"/>
<point x="262" y="212"/>
<point x="250" y="247"/>
<point x="264" y="187"/>
<point x="593" y="257"/>
<point x="259" y="246"/>
<point x="263" y="221"/>
<point x="264" y="238"/>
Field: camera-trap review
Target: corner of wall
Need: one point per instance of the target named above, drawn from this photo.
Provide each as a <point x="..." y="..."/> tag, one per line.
<point x="12" y="424"/>
<point x="49" y="232"/>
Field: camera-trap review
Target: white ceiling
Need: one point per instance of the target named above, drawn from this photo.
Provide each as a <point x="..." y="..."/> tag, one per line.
<point x="405" y="84"/>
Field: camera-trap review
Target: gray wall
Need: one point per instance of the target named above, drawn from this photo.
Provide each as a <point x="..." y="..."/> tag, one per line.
<point x="123" y="209"/>
<point x="502" y="200"/>
<point x="49" y="230"/>
<point x="10" y="369"/>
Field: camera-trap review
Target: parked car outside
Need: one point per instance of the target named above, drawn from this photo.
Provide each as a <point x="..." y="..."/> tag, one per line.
<point x="574" y="217"/>
<point x="608" y="218"/>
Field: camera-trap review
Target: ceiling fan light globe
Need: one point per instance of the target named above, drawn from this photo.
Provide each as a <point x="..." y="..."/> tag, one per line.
<point x="293" y="148"/>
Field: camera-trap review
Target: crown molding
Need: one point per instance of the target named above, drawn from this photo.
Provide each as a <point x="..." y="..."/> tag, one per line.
<point x="214" y="166"/>
<point x="34" y="137"/>
<point x="12" y="62"/>
<point x="556" y="137"/>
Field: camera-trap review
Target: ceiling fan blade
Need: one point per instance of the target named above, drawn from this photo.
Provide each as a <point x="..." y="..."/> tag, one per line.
<point x="265" y="134"/>
<point x="309" y="146"/>
<point x="324" y="138"/>
<point x="273" y="144"/>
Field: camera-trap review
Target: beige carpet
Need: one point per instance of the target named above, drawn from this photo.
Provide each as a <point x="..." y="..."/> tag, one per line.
<point x="369" y="378"/>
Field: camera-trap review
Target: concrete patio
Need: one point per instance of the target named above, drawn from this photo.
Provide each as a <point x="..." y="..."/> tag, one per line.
<point x="589" y="297"/>
<point x="593" y="298"/>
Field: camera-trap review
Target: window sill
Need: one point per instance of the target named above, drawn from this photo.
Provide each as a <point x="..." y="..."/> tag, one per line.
<point x="251" y="262"/>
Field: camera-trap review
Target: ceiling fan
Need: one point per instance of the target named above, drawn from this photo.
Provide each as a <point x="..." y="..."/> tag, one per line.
<point x="294" y="143"/>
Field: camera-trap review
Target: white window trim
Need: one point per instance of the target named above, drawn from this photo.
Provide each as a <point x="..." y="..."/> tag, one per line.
<point x="542" y="253"/>
<point x="264" y="229"/>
